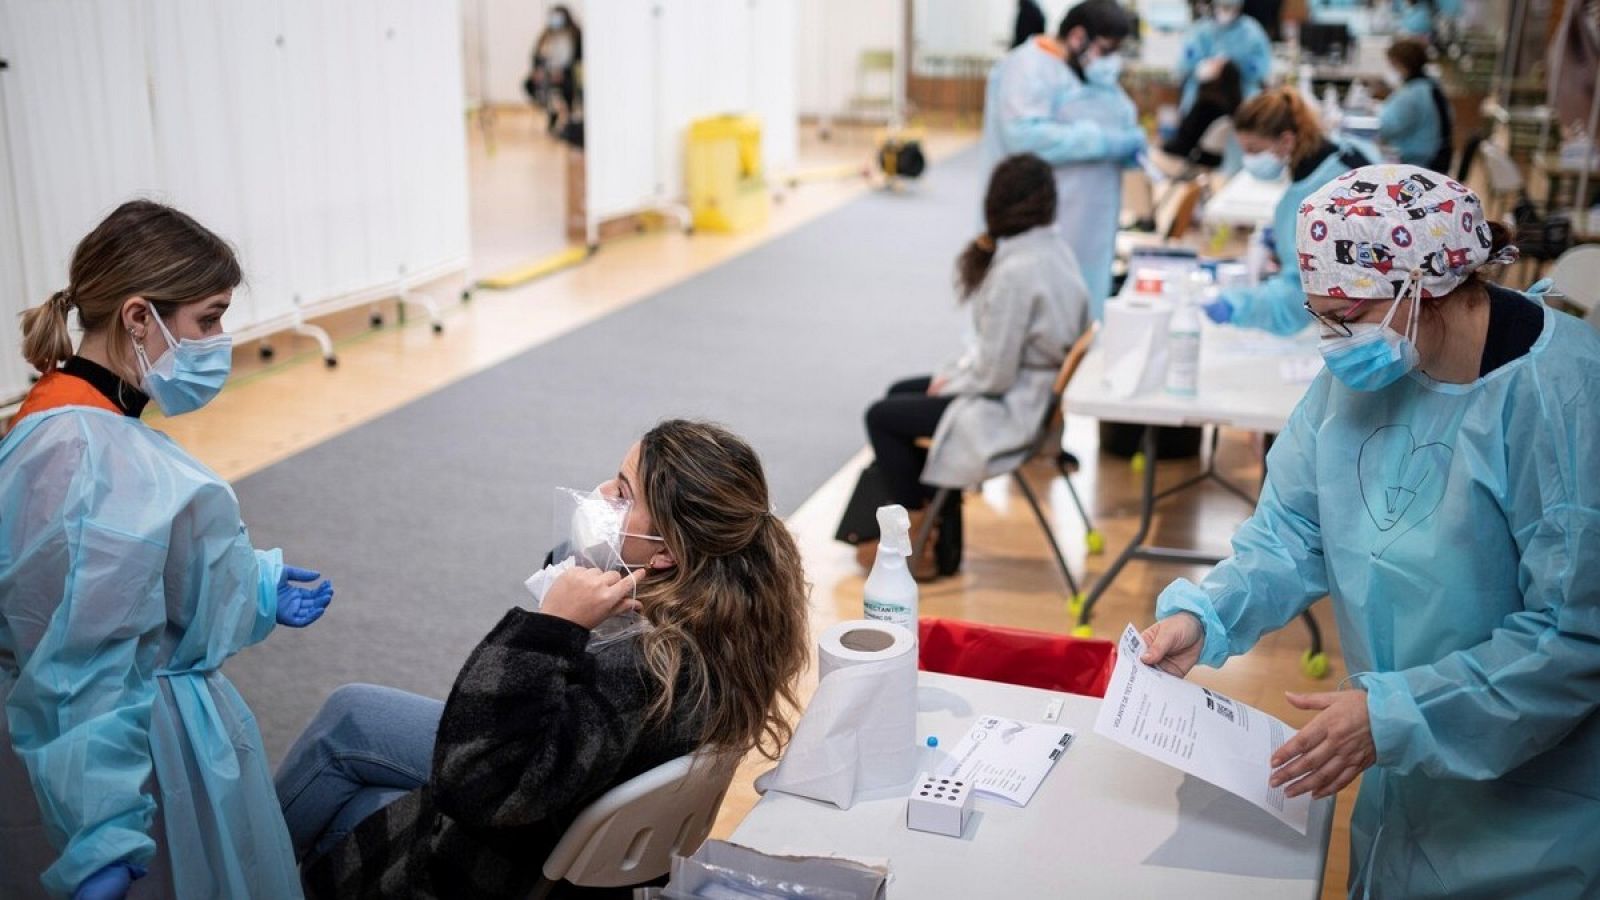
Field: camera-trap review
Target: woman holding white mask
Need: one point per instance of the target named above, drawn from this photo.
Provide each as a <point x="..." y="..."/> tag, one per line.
<point x="389" y="794"/>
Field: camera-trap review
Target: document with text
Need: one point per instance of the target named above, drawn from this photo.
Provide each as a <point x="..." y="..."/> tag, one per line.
<point x="1196" y="730"/>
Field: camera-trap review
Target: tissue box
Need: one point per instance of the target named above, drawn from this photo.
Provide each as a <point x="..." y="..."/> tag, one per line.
<point x="939" y="805"/>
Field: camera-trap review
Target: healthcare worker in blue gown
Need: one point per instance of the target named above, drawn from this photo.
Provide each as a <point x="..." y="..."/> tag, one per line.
<point x="1441" y="483"/>
<point x="129" y="766"/>
<point x="1060" y="99"/>
<point x="1415" y="118"/>
<point x="1281" y="134"/>
<point x="1227" y="34"/>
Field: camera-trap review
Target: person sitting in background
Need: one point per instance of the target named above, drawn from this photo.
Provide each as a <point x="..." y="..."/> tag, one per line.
<point x="556" y="56"/>
<point x="1227" y="36"/>
<point x="1029" y="303"/>
<point x="1415" y="119"/>
<point x="388" y="794"/>
<point x="1203" y="133"/>
<point x="1280" y="132"/>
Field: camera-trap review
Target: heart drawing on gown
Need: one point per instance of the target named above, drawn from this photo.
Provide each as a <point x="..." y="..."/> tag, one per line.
<point x="1401" y="483"/>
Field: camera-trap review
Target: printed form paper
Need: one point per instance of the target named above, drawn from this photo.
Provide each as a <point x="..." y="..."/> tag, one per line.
<point x="1007" y="759"/>
<point x="1197" y="731"/>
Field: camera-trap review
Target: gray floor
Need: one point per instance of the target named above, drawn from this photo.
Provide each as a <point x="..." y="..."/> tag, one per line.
<point x="429" y="518"/>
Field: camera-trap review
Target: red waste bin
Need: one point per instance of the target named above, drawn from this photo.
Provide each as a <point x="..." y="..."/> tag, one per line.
<point x="1054" y="662"/>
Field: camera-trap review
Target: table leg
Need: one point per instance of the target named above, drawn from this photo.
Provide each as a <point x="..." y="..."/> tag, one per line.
<point x="1147" y="505"/>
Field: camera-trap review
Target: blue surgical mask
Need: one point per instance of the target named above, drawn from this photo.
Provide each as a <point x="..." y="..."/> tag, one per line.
<point x="1265" y="165"/>
<point x="1372" y="357"/>
<point x="1105" y="71"/>
<point x="189" y="374"/>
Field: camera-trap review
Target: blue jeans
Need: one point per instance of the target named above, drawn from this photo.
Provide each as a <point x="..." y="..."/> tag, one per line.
<point x="366" y="748"/>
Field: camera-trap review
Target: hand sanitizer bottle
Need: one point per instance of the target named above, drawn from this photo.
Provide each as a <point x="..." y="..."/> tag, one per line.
<point x="891" y="592"/>
<point x="1183" y="346"/>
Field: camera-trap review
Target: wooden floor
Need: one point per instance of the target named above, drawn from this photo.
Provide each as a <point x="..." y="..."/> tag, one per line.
<point x="271" y="411"/>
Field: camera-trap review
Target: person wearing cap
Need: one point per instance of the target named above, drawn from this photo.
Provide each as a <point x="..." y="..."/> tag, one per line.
<point x="1439" y="483"/>
<point x="1280" y="133"/>
<point x="1226" y="35"/>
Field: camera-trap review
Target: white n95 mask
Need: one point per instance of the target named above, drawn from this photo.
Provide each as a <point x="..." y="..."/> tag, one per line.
<point x="594" y="525"/>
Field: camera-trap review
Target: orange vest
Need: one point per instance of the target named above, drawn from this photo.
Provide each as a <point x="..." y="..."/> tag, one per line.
<point x="57" y="389"/>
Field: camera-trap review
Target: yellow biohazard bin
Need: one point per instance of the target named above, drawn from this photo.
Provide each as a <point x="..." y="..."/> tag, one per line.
<point x="727" y="189"/>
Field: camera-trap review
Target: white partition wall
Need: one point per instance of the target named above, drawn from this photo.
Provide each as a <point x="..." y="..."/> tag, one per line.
<point x="651" y="68"/>
<point x="325" y="141"/>
<point x="831" y="35"/>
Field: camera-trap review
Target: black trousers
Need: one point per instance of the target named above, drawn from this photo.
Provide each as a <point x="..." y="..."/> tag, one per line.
<point x="894" y="424"/>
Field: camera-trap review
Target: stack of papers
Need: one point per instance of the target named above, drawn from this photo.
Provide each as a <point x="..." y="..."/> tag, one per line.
<point x="1006" y="759"/>
<point x="1197" y="731"/>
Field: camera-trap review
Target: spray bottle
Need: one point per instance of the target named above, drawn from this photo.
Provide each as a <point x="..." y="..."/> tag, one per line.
<point x="1183" y="339"/>
<point x="891" y="592"/>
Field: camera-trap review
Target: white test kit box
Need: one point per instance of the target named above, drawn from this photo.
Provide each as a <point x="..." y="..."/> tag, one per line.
<point x="939" y="805"/>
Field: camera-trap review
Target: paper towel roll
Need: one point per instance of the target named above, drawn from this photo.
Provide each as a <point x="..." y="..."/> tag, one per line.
<point x="858" y="736"/>
<point x="1134" y="341"/>
<point x="862" y="641"/>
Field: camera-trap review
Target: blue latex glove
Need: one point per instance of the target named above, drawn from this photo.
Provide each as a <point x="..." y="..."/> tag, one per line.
<point x="1126" y="145"/>
<point x="1218" y="311"/>
<point x="110" y="882"/>
<point x="300" y="606"/>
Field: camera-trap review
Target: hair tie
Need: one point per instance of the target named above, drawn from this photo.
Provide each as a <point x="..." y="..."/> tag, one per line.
<point x="985" y="243"/>
<point x="62" y="300"/>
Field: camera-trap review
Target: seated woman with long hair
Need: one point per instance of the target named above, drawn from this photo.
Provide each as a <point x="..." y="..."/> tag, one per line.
<point x="980" y="415"/>
<point x="388" y="794"/>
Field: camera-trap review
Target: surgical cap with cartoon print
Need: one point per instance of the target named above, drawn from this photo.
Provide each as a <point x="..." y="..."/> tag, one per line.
<point x="1370" y="231"/>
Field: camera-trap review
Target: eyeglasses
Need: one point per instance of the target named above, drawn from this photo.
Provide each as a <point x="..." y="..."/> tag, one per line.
<point x="1338" y="324"/>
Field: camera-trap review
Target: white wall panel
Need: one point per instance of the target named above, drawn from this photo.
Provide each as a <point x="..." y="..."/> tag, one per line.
<point x="831" y="34"/>
<point x="325" y="141"/>
<point x="653" y="68"/>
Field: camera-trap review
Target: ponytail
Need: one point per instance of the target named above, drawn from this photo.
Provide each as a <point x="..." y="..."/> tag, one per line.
<point x="46" y="340"/>
<point x="973" y="264"/>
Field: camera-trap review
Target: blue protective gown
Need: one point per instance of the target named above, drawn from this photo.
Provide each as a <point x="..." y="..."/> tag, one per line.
<point x="1413" y="19"/>
<point x="1277" y="304"/>
<point x="126" y="579"/>
<point x="1243" y="40"/>
<point x="1409" y="122"/>
<point x="1037" y="104"/>
<point x="1457" y="530"/>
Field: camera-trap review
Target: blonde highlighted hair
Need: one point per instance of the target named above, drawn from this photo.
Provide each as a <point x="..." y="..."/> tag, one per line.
<point x="730" y="635"/>
<point x="1271" y="113"/>
<point x="143" y="249"/>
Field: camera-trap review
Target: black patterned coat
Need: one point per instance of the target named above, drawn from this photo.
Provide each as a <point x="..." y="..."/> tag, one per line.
<point x="535" y="728"/>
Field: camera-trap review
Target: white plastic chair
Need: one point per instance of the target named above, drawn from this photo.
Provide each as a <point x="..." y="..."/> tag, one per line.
<point x="1576" y="277"/>
<point x="630" y="834"/>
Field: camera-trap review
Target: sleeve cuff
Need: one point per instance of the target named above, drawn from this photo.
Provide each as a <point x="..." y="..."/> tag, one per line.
<point x="1184" y="596"/>
<point x="271" y="570"/>
<point x="542" y="633"/>
<point x="1392" y="715"/>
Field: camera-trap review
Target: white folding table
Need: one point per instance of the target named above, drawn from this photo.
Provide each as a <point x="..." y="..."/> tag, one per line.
<point x="1106" y="822"/>
<point x="1243" y="384"/>
<point x="1244" y="200"/>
